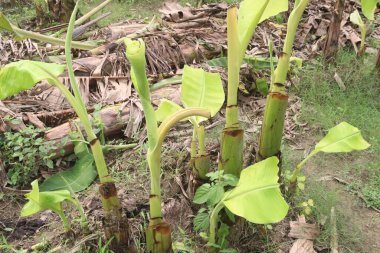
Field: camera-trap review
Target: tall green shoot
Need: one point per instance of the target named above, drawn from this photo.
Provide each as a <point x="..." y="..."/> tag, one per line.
<point x="116" y="226"/>
<point x="158" y="233"/>
<point x="277" y="99"/>
<point x="240" y="29"/>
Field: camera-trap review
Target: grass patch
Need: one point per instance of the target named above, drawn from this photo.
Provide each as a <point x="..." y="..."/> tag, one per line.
<point x="132" y="9"/>
<point x="123" y="9"/>
<point x="325" y="104"/>
<point x="127" y="9"/>
<point x="349" y="235"/>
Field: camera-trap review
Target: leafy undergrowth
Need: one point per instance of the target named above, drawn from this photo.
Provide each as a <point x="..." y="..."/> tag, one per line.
<point x="18" y="13"/>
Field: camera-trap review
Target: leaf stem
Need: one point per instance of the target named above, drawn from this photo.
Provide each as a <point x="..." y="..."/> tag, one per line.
<point x="232" y="112"/>
<point x="193" y="151"/>
<point x="120" y="147"/>
<point x="76" y="203"/>
<point x="214" y="222"/>
<point x="69" y="63"/>
<point x="201" y="140"/>
<point x="299" y="167"/>
<point x="66" y="223"/>
<point x="249" y="32"/>
<point x="175" y="118"/>
<point x="49" y="39"/>
<point x="82" y="19"/>
<point x="363" y="31"/>
<point x="283" y="61"/>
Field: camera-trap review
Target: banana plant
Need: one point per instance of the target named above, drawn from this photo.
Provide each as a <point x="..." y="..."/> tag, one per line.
<point x="277" y="99"/>
<point x="158" y="233"/>
<point x="199" y="89"/>
<point x="357" y="20"/>
<point x="241" y="26"/>
<point x="368" y="9"/>
<point x="22" y="75"/>
<point x="40" y="201"/>
<point x="342" y="138"/>
<point x="256" y="197"/>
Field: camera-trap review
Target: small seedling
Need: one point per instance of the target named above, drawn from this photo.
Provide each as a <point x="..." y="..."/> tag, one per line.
<point x="53" y="200"/>
<point x="307" y="207"/>
<point x="158" y="233"/>
<point x="342" y="138"/>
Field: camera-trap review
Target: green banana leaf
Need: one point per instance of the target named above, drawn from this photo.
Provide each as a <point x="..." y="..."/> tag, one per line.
<point x="165" y="109"/>
<point x="23" y="75"/>
<point x="342" y="138"/>
<point x="40" y="201"/>
<point x="202" y="89"/>
<point x="80" y="176"/>
<point x="356" y="19"/>
<point x="253" y="12"/>
<point x="257" y="196"/>
<point x="75" y="179"/>
<point x="369" y="7"/>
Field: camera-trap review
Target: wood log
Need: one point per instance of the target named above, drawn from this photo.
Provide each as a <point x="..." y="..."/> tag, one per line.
<point x="6" y="126"/>
<point x="332" y="41"/>
<point x="378" y="61"/>
<point x="114" y="118"/>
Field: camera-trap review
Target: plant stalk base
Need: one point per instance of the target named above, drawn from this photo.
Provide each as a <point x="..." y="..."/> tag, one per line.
<point x="158" y="237"/>
<point x="115" y="224"/>
<point x="201" y="166"/>
<point x="273" y="126"/>
<point x="232" y="150"/>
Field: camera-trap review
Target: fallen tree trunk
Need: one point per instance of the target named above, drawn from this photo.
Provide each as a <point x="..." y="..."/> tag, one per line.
<point x="9" y="125"/>
<point x="114" y="118"/>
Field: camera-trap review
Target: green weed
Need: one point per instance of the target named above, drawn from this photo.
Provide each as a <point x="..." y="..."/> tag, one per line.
<point x="22" y="11"/>
<point x="24" y="153"/>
